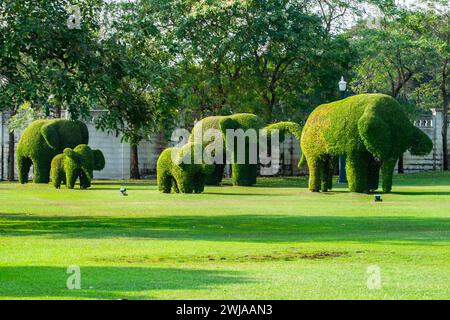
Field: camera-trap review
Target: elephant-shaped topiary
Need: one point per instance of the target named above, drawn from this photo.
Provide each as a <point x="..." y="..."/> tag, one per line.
<point x="178" y="171"/>
<point x="42" y="140"/>
<point x="72" y="164"/>
<point x="371" y="130"/>
<point x="243" y="174"/>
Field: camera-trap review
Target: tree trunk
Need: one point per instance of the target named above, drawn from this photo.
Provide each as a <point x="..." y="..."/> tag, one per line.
<point x="134" y="162"/>
<point x="58" y="112"/>
<point x="11" y="155"/>
<point x="445" y="118"/>
<point x="400" y="168"/>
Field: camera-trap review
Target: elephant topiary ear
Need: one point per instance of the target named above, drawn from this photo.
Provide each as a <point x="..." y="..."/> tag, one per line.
<point x="50" y="135"/>
<point x="84" y="132"/>
<point x="71" y="154"/>
<point x="99" y="160"/>
<point x="228" y="123"/>
<point x="375" y="134"/>
<point x="421" y="144"/>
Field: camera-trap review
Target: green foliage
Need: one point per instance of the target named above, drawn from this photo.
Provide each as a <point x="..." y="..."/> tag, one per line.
<point x="178" y="172"/>
<point x="372" y="130"/>
<point x="247" y="56"/>
<point x="72" y="164"/>
<point x="44" y="139"/>
<point x="45" y="62"/>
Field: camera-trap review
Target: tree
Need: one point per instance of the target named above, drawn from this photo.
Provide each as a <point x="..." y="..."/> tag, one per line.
<point x="432" y="27"/>
<point x="250" y="56"/>
<point x="135" y="81"/>
<point x="43" y="61"/>
<point x="388" y="57"/>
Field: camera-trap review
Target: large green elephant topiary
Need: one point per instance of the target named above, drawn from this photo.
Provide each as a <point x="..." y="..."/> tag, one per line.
<point x="371" y="130"/>
<point x="80" y="163"/>
<point x="42" y="140"/>
<point x="243" y="174"/>
<point x="177" y="171"/>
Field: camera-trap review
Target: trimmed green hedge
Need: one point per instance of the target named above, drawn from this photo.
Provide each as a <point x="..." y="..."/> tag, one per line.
<point x="42" y="140"/>
<point x="80" y="163"/>
<point x="180" y="174"/>
<point x="371" y="130"/>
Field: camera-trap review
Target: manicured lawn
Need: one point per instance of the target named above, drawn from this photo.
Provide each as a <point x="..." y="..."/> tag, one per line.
<point x="273" y="241"/>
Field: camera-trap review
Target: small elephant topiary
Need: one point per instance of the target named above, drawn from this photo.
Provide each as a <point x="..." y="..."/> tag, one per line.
<point x="371" y="130"/>
<point x="42" y="140"/>
<point x="72" y="164"/>
<point x="177" y="171"/>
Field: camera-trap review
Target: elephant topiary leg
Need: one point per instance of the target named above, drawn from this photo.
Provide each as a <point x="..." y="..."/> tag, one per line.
<point x="165" y="182"/>
<point x="58" y="177"/>
<point x="387" y="172"/>
<point x="185" y="186"/>
<point x="199" y="181"/>
<point x="71" y="178"/>
<point x="24" y="165"/>
<point x="41" y="172"/>
<point x="357" y="173"/>
<point x="244" y="174"/>
<point x="216" y="175"/>
<point x="326" y="174"/>
<point x="373" y="174"/>
<point x="315" y="167"/>
<point x="85" y="182"/>
<point x="174" y="184"/>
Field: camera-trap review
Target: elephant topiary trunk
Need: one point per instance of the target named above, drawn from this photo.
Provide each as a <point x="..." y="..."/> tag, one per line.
<point x="371" y="130"/>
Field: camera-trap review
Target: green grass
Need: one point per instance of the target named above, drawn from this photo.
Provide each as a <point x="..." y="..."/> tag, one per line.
<point x="272" y="241"/>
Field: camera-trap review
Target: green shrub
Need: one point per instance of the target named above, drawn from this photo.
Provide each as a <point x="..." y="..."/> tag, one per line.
<point x="371" y="130"/>
<point x="181" y="174"/>
<point x="42" y="140"/>
<point x="72" y="164"/>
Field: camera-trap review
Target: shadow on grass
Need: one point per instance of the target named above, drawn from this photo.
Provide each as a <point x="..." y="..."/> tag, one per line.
<point x="422" y="193"/>
<point x="109" y="282"/>
<point x="245" y="194"/>
<point x="243" y="228"/>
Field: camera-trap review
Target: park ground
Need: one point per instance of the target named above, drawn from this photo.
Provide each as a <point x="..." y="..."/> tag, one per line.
<point x="276" y="240"/>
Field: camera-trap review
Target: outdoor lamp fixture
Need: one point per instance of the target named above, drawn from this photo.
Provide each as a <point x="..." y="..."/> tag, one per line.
<point x="378" y="198"/>
<point x="123" y="191"/>
<point x="342" y="87"/>
<point x="342" y="164"/>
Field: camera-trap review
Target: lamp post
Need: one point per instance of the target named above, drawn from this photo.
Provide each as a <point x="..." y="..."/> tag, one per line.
<point x="342" y="172"/>
<point x="3" y="83"/>
<point x="342" y="87"/>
